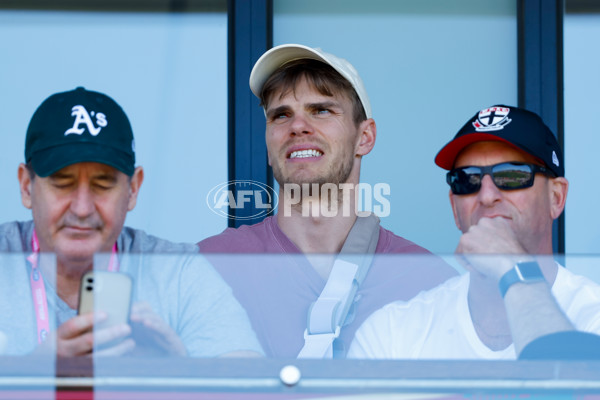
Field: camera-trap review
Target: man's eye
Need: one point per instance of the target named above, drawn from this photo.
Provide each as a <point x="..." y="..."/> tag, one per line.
<point x="61" y="184"/>
<point x="104" y="185"/>
<point x="279" y="117"/>
<point x="323" y="111"/>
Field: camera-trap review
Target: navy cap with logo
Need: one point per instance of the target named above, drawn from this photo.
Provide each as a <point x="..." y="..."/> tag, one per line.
<point x="517" y="127"/>
<point x="79" y="126"/>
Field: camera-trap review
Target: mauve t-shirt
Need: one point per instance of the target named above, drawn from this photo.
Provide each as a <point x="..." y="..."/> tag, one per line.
<point x="277" y="284"/>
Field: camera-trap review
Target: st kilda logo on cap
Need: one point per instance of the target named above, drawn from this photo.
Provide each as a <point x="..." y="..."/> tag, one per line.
<point x="492" y="119"/>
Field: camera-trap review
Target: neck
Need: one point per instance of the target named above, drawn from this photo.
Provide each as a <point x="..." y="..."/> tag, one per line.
<point x="539" y="241"/>
<point x="317" y="226"/>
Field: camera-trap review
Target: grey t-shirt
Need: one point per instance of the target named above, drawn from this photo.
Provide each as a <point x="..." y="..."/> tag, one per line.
<point x="177" y="282"/>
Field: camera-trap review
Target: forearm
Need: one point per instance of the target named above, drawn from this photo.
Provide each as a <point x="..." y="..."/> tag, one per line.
<point x="532" y="312"/>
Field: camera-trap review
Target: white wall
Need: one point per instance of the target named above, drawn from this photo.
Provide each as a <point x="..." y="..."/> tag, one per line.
<point x="167" y="71"/>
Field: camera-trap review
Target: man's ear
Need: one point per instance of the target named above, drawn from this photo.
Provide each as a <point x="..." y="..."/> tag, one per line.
<point x="557" y="190"/>
<point x="367" y="136"/>
<point x="454" y="212"/>
<point x="134" y="187"/>
<point x="25" y="185"/>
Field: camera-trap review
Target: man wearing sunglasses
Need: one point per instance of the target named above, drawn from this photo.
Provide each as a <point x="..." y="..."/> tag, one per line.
<point x="507" y="186"/>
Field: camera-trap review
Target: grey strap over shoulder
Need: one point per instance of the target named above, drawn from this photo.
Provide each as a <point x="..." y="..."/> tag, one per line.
<point x="328" y="313"/>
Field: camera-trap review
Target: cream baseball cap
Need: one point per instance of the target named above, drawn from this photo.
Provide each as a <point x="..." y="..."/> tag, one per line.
<point x="280" y="55"/>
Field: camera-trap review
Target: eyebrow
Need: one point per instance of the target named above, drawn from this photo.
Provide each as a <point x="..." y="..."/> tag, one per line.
<point x="277" y="110"/>
<point x="60" y="175"/>
<point x="323" y="104"/>
<point x="309" y="106"/>
<point x="103" y="175"/>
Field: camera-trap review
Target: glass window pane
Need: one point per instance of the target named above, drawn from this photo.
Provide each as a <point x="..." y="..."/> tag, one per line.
<point x="160" y="68"/>
<point x="582" y="85"/>
<point x="428" y="67"/>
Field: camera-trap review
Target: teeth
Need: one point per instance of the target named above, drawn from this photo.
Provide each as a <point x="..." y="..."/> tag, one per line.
<point x="306" y="153"/>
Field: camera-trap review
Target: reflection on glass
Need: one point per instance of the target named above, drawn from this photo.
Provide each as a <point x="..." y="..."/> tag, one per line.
<point x="240" y="305"/>
<point x="481" y="316"/>
<point x="181" y="314"/>
<point x="28" y="320"/>
<point x="177" y="306"/>
<point x="279" y="291"/>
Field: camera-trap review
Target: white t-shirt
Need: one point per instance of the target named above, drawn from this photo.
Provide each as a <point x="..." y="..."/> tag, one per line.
<point x="436" y="324"/>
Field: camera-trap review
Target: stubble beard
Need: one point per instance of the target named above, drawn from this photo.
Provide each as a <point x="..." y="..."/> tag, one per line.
<point x="337" y="174"/>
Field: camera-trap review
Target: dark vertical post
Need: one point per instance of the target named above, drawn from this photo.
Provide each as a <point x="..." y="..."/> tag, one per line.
<point x="249" y="36"/>
<point x="540" y="73"/>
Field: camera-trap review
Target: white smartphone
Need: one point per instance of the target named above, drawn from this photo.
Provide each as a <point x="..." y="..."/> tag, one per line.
<point x="106" y="291"/>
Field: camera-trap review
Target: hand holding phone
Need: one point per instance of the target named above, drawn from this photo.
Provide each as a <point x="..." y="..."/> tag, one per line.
<point x="109" y="292"/>
<point x="152" y="335"/>
<point x="103" y="315"/>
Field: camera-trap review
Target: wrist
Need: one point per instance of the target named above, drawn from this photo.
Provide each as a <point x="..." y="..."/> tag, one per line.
<point x="506" y="263"/>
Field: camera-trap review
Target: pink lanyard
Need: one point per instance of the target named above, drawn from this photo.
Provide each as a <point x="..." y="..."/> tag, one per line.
<point x="38" y="290"/>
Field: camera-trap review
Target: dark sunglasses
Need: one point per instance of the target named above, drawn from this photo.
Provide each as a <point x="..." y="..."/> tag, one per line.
<point x="506" y="176"/>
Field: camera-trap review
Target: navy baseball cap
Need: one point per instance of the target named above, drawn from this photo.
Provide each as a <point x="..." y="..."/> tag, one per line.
<point x="515" y="126"/>
<point x="79" y="126"/>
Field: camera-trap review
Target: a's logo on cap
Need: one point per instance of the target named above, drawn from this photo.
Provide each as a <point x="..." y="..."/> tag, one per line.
<point x="555" y="158"/>
<point x="492" y="119"/>
<point x="83" y="117"/>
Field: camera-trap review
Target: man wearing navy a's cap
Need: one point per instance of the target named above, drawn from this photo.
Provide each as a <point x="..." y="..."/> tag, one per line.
<point x="80" y="180"/>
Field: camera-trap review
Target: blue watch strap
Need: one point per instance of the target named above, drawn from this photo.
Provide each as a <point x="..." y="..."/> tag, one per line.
<point x="526" y="272"/>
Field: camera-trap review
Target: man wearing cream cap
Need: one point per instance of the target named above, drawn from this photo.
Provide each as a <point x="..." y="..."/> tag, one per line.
<point x="319" y="127"/>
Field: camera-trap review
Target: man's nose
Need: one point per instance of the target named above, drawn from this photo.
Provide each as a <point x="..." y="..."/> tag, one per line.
<point x="300" y="124"/>
<point x="82" y="203"/>
<point x="489" y="193"/>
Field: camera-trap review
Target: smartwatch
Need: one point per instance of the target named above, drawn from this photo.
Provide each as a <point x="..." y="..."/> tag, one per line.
<point x="526" y="272"/>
